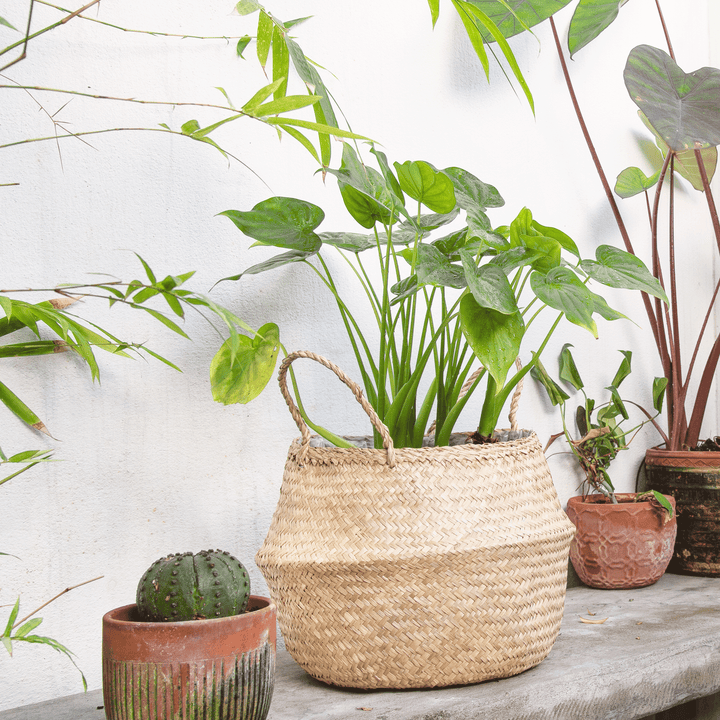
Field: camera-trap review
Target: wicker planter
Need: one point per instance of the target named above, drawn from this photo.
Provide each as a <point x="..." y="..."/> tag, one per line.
<point x="623" y="546"/>
<point x="693" y="479"/>
<point x="222" y="668"/>
<point x="417" y="567"/>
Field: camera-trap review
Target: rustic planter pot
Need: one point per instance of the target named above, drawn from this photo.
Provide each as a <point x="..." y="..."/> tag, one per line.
<point x="623" y="546"/>
<point x="222" y="668"/>
<point x="693" y="479"/>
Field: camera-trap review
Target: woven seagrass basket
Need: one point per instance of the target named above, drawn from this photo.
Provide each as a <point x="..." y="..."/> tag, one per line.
<point x="416" y="568"/>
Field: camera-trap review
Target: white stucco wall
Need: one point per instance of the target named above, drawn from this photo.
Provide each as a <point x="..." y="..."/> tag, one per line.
<point x="149" y="464"/>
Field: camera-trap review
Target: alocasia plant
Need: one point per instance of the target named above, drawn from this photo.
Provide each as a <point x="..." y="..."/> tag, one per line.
<point x="448" y="292"/>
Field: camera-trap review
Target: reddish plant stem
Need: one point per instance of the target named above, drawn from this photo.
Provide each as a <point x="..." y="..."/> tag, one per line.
<point x="679" y="421"/>
<point x="665" y="30"/>
<point x="603" y="179"/>
<point x="703" y="392"/>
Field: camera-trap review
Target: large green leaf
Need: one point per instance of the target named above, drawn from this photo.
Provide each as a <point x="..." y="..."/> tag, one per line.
<point x="682" y="107"/>
<point x="434" y="268"/>
<point x="561" y="289"/>
<point x="619" y="269"/>
<point x="239" y="373"/>
<point x="494" y="337"/>
<point x="282" y="222"/>
<point x="633" y="181"/>
<point x="590" y="18"/>
<point x="489" y="285"/>
<point x="513" y="16"/>
<point x="368" y="197"/>
<point x="685" y="164"/>
<point x="426" y="185"/>
<point x="471" y="192"/>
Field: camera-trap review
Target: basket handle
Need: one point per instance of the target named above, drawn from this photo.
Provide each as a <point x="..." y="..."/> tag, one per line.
<point x="356" y="391"/>
<point x="512" y="416"/>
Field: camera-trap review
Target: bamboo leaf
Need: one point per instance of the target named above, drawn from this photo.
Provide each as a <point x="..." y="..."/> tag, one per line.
<point x="264" y="37"/>
<point x="19" y="408"/>
<point x="11" y="619"/>
<point x="284" y="104"/>
<point x="247" y="7"/>
<point x="242" y="43"/>
<point x="434" y="10"/>
<point x="280" y="61"/>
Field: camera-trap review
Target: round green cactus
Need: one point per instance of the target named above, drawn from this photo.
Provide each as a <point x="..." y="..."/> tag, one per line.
<point x="209" y="584"/>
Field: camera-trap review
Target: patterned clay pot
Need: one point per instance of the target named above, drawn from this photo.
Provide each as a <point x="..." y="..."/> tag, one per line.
<point x="623" y="546"/>
<point x="222" y="668"/>
<point x="693" y="479"/>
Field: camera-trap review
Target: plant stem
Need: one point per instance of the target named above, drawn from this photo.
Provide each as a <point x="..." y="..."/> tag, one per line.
<point x="601" y="174"/>
<point x="129" y="30"/>
<point x="66" y="590"/>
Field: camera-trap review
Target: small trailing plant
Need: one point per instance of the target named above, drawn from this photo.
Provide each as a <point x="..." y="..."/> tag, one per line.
<point x="187" y="586"/>
<point x="602" y="426"/>
<point x="447" y="290"/>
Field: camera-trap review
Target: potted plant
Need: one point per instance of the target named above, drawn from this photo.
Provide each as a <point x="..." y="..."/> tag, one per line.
<point x="354" y="553"/>
<point x="623" y="540"/>
<point x="195" y="643"/>
<point x="680" y="111"/>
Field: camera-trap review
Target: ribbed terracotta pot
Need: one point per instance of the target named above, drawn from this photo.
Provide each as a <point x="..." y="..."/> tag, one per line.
<point x="222" y="668"/>
<point x="693" y="479"/>
<point x="623" y="546"/>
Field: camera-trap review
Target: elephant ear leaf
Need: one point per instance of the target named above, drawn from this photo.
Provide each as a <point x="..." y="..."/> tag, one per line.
<point x="283" y="222"/>
<point x="590" y="18"/>
<point x="493" y="336"/>
<point x="619" y="269"/>
<point x="681" y="107"/>
<point x="243" y="366"/>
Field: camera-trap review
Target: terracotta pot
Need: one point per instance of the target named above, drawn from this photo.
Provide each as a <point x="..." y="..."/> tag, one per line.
<point x="223" y="668"/>
<point x="621" y="546"/>
<point x="693" y="479"/>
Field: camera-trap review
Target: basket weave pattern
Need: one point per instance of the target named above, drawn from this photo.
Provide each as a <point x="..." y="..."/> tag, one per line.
<point x="448" y="568"/>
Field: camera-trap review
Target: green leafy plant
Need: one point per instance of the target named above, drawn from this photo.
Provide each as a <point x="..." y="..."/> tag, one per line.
<point x="602" y="426"/>
<point x="271" y="105"/>
<point x="680" y="110"/>
<point x="21" y="631"/>
<point x="443" y="299"/>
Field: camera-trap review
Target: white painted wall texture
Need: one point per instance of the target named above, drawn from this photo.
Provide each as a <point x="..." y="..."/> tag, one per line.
<point x="148" y="463"/>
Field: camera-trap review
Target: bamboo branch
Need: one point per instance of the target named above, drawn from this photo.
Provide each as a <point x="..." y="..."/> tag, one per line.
<point x="45" y="604"/>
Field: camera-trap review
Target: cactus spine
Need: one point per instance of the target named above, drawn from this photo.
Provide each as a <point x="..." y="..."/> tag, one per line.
<point x="187" y="586"/>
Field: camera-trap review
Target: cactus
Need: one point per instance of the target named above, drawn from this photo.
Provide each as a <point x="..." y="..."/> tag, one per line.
<point x="209" y="584"/>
